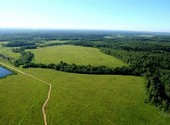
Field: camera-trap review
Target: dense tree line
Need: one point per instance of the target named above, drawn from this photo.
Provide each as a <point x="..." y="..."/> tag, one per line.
<point x="22" y="49"/>
<point x="129" y="45"/>
<point x="18" y="50"/>
<point x="19" y="43"/>
<point x="25" y="58"/>
<point x="52" y="44"/>
<point x="73" y="68"/>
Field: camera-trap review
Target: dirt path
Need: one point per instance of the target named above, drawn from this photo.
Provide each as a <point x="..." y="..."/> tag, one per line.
<point x="48" y="97"/>
<point x="12" y="68"/>
<point x="49" y="90"/>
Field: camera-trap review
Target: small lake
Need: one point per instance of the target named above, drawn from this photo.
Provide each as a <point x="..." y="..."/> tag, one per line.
<point x="4" y="72"/>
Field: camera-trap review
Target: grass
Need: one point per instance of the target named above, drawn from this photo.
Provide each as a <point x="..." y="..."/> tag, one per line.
<point x="8" y="51"/>
<point x="96" y="100"/>
<point x="75" y="54"/>
<point x="76" y="99"/>
<point x="21" y="99"/>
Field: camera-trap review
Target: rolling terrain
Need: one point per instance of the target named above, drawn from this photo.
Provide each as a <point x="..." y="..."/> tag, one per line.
<point x="75" y="98"/>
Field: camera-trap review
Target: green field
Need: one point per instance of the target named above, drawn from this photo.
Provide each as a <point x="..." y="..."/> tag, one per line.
<point x="98" y="100"/>
<point x="75" y="54"/>
<point x="21" y="99"/>
<point x="8" y="51"/>
<point x="76" y="99"/>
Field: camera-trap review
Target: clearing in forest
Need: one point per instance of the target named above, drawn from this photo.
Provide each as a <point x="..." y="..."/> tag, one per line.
<point x="75" y="54"/>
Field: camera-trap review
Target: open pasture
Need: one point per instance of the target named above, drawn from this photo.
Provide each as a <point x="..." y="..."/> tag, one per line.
<point x="75" y="54"/>
<point x="98" y="99"/>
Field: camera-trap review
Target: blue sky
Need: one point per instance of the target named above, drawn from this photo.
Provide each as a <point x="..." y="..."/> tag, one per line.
<point x="138" y="15"/>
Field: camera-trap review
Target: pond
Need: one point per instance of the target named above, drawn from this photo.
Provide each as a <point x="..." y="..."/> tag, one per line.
<point x="4" y="72"/>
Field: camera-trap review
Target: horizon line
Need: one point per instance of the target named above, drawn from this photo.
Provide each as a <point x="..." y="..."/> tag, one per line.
<point x="83" y="29"/>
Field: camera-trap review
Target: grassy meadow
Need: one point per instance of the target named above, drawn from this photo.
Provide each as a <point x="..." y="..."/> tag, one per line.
<point x="75" y="54"/>
<point x="98" y="100"/>
<point x="21" y="99"/>
<point x="8" y="51"/>
<point x="76" y="99"/>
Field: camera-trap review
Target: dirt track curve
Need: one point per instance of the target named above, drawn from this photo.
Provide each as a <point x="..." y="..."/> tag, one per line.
<point x="48" y="97"/>
<point x="49" y="90"/>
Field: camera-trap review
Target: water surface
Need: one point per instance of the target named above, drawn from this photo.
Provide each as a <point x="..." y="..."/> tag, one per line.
<point x="4" y="72"/>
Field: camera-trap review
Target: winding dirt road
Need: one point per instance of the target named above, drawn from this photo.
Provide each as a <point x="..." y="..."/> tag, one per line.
<point x="48" y="97"/>
<point x="49" y="90"/>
